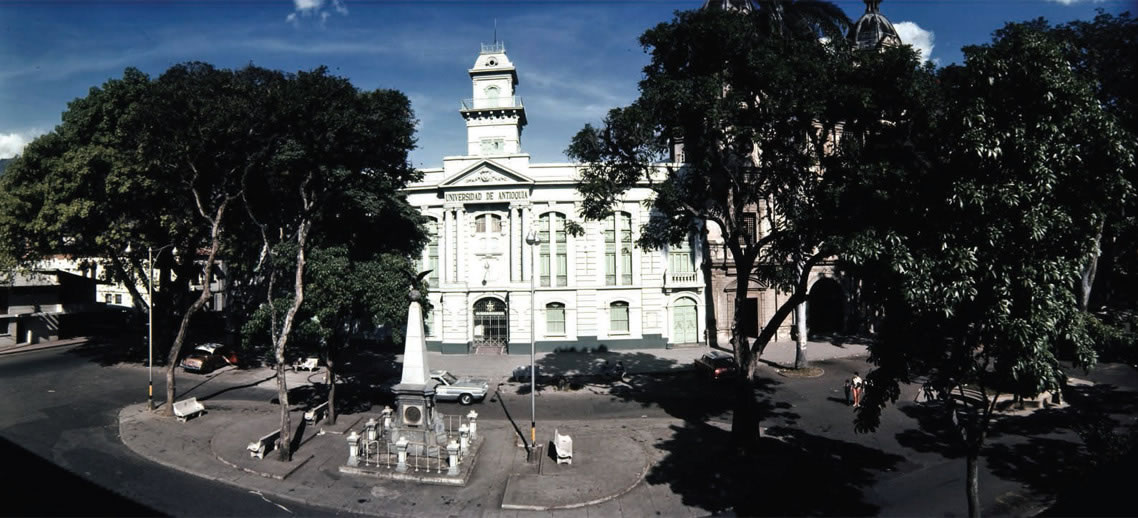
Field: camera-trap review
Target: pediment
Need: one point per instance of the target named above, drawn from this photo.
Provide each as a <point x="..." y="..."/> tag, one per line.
<point x="486" y="173"/>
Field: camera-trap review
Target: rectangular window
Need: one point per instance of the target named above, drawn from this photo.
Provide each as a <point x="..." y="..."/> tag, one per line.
<point x="107" y="298"/>
<point x="555" y="319"/>
<point x="118" y="299"/>
<point x="750" y="224"/>
<point x="618" y="242"/>
<point x="618" y="318"/>
<point x="480" y="224"/>
<point x="4" y="327"/>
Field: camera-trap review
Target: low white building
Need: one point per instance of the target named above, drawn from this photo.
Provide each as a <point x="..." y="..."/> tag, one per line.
<point x="593" y="291"/>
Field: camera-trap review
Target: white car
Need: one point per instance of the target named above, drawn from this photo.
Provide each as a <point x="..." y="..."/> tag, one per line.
<point x="464" y="390"/>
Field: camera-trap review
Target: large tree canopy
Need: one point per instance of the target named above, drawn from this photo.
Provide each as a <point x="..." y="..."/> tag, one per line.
<point x="758" y="117"/>
<point x="996" y="215"/>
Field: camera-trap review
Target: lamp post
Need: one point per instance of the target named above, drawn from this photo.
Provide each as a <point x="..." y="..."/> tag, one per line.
<point x="150" y="320"/>
<point x="534" y="241"/>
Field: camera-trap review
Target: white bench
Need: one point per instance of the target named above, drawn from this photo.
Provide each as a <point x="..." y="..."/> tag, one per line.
<point x="563" y="447"/>
<point x="309" y="364"/>
<point x="187" y="407"/>
<point x="265" y="444"/>
<point x="317" y="413"/>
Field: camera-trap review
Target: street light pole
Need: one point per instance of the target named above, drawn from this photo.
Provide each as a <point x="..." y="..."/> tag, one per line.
<point x="534" y="241"/>
<point x="150" y="321"/>
<point x="150" y="326"/>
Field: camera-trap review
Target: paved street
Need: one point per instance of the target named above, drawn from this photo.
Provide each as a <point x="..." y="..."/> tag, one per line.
<point x="62" y="418"/>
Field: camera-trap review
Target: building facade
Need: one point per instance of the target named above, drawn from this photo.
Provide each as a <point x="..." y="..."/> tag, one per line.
<point x="499" y="230"/>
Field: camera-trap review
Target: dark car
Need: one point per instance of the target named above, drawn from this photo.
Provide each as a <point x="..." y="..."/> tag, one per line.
<point x="207" y="358"/>
<point x="716" y="364"/>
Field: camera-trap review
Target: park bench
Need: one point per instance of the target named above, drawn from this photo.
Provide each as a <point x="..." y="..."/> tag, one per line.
<point x="563" y="447"/>
<point x="187" y="407"/>
<point x="265" y="444"/>
<point x="308" y="364"/>
<point x="317" y="413"/>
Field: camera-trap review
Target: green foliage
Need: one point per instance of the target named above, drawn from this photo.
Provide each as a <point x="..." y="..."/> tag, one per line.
<point x="996" y="221"/>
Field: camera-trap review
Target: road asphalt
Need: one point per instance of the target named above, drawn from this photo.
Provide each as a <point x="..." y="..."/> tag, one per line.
<point x="641" y="453"/>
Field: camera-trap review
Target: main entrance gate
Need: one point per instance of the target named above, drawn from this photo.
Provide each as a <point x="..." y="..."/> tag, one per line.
<point x="491" y="327"/>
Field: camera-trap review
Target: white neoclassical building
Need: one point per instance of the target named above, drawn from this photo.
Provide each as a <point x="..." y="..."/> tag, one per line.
<point x="591" y="291"/>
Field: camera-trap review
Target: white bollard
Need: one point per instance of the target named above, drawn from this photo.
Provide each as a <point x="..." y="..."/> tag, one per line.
<point x="401" y="447"/>
<point x="473" y="417"/>
<point x="370" y="427"/>
<point x="353" y="449"/>
<point x="387" y="411"/>
<point x="464" y="438"/>
<point x="452" y="451"/>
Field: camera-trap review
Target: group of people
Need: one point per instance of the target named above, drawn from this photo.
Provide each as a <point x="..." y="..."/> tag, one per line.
<point x="854" y="388"/>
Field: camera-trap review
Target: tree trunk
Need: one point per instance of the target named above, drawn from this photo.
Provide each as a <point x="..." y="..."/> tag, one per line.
<point x="282" y="340"/>
<point x="711" y="325"/>
<point x="1088" y="277"/>
<point x="176" y="348"/>
<point x="745" y="420"/>
<point x="800" y="341"/>
<point x="972" y="482"/>
<point x="331" y="363"/>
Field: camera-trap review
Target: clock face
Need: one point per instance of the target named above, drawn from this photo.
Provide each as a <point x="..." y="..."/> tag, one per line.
<point x="492" y="62"/>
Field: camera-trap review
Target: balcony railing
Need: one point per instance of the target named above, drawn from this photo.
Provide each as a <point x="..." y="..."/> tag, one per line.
<point x="492" y="102"/>
<point x="682" y="278"/>
<point x="497" y="47"/>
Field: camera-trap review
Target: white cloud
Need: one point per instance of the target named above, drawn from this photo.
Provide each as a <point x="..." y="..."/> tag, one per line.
<point x="315" y="8"/>
<point x="11" y="144"/>
<point x="921" y="39"/>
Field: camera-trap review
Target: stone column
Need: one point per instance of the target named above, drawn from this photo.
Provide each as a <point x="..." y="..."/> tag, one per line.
<point x="473" y="417"/>
<point x="444" y="249"/>
<point x="460" y="244"/>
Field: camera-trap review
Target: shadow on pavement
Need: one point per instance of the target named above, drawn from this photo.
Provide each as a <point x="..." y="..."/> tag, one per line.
<point x="44" y="489"/>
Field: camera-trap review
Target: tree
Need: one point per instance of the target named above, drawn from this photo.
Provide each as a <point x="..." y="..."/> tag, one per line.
<point x="994" y="220"/>
<point x="145" y="162"/>
<point x="757" y="116"/>
<point x="334" y="178"/>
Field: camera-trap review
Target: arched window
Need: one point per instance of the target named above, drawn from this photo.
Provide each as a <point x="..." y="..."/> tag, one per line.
<point x="554" y="256"/>
<point x="618" y="318"/>
<point x="431" y="262"/>
<point x="555" y="318"/>
<point x="618" y="249"/>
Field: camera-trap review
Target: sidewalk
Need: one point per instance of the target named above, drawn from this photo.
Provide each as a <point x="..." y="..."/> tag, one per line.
<point x="45" y="344"/>
<point x="611" y="457"/>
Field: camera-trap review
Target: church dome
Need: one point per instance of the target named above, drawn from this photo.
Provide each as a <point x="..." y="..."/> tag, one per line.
<point x="873" y="30"/>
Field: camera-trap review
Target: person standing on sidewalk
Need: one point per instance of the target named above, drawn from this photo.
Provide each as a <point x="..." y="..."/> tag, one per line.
<point x="857" y="384"/>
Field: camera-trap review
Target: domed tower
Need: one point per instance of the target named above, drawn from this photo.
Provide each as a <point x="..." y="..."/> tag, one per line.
<point x="494" y="115"/>
<point x="728" y="5"/>
<point x="873" y="30"/>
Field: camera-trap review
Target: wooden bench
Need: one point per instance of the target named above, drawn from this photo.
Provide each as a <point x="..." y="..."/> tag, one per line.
<point x="265" y="444"/>
<point x="563" y="447"/>
<point x="187" y="407"/>
<point x="317" y="413"/>
<point x="308" y="364"/>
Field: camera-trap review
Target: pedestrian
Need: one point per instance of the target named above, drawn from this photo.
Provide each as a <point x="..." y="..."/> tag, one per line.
<point x="857" y="383"/>
<point x="849" y="388"/>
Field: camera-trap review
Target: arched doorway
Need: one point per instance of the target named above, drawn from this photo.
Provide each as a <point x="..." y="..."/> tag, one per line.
<point x="685" y="322"/>
<point x="491" y="327"/>
<point x="825" y="307"/>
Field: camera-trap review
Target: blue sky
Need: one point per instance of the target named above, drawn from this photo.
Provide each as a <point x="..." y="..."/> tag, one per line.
<point x="575" y="59"/>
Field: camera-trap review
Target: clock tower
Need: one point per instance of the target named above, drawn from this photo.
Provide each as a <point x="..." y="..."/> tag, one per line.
<point x="494" y="115"/>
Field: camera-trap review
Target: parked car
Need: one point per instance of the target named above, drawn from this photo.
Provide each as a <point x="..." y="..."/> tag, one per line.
<point x="716" y="364"/>
<point x="208" y="357"/>
<point x="464" y="390"/>
<point x="521" y="373"/>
